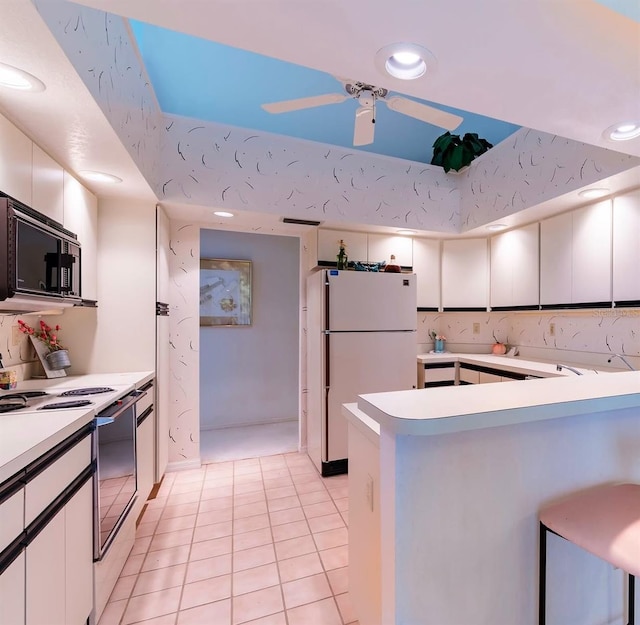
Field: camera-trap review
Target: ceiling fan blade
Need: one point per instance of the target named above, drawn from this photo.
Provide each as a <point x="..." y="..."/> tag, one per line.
<point x="304" y="103"/>
<point x="424" y="112"/>
<point x="364" y="126"/>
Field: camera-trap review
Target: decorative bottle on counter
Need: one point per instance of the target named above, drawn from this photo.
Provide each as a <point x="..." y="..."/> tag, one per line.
<point x="392" y="266"/>
<point x="342" y="260"/>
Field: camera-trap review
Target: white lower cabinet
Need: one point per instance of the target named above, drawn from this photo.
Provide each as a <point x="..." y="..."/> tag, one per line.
<point x="12" y="600"/>
<point x="50" y="580"/>
<point x="78" y="524"/>
<point x="485" y="378"/>
<point x="45" y="575"/>
<point x="145" y="447"/>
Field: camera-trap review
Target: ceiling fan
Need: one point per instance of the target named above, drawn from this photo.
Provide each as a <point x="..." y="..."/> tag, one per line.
<point x="367" y="96"/>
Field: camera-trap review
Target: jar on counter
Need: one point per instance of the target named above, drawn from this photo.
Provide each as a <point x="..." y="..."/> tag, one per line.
<point x="392" y="266"/>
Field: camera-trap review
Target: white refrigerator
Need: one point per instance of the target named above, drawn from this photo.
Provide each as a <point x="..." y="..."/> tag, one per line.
<point x="361" y="338"/>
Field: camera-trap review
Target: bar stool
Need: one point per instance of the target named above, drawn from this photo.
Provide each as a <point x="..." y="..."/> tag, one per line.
<point x="605" y="521"/>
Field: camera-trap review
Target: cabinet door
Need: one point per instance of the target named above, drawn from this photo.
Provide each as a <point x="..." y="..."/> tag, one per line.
<point x="426" y="266"/>
<point x="556" y="254"/>
<point x="162" y="349"/>
<point x="591" y="263"/>
<point x="48" y="185"/>
<point x="81" y="217"/>
<point x="12" y="593"/>
<point x="145" y="443"/>
<point x="329" y="244"/>
<point x="485" y="378"/>
<point x="381" y="246"/>
<point x="16" y="162"/>
<point x="626" y="247"/>
<point x="464" y="273"/>
<point x="515" y="268"/>
<point x="78" y="517"/>
<point x="469" y="376"/>
<point x="45" y="575"/>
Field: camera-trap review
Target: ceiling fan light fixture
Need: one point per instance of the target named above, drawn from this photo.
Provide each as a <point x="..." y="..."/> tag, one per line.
<point x="623" y="132"/>
<point x="406" y="61"/>
<point x="223" y="214"/>
<point x="15" y="78"/>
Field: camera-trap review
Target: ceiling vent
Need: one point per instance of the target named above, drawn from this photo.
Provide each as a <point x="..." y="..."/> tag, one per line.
<point x="300" y="222"/>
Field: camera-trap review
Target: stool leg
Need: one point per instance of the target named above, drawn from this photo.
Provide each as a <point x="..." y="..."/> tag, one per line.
<point x="632" y="602"/>
<point x="542" y="575"/>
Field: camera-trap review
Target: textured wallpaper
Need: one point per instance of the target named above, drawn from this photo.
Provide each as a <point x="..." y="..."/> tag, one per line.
<point x="99" y="46"/>
<point x="208" y="164"/>
<point x="528" y="168"/>
<point x="184" y="345"/>
<point x="589" y="336"/>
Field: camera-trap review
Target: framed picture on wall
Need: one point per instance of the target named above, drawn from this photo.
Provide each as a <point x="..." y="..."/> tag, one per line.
<point x="225" y="292"/>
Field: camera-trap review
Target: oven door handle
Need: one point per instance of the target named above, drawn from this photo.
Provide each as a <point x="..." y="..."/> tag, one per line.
<point x="119" y="406"/>
<point x="100" y="421"/>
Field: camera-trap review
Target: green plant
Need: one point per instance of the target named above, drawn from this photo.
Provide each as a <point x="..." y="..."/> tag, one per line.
<point x="452" y="152"/>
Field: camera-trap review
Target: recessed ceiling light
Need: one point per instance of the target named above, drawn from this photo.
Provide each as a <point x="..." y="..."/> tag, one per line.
<point x="406" y="61"/>
<point x="98" y="176"/>
<point x="594" y="192"/>
<point x="15" y="78"/>
<point x="406" y="231"/>
<point x="497" y="227"/>
<point x="623" y="131"/>
<point x="223" y="214"/>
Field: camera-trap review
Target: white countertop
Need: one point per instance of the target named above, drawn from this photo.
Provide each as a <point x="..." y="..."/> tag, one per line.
<point x="24" y="436"/>
<point x="457" y="408"/>
<point x="506" y="363"/>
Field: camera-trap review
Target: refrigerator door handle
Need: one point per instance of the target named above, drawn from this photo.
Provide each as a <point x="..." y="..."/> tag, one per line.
<point x="327" y="386"/>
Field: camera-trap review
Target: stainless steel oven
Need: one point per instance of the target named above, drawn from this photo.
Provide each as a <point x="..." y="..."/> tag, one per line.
<point x="115" y="478"/>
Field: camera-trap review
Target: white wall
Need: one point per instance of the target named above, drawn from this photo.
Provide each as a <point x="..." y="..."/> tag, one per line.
<point x="249" y="374"/>
<point x="125" y="338"/>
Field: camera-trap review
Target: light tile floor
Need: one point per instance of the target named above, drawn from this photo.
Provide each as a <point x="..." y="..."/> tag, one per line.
<point x="261" y="541"/>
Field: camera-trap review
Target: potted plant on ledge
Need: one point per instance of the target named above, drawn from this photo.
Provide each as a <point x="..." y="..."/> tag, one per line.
<point x="57" y="357"/>
<point x="452" y="152"/>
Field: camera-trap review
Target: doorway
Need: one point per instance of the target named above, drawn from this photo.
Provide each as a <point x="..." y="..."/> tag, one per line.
<point x="249" y="374"/>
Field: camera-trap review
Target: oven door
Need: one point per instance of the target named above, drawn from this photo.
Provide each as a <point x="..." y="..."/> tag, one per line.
<point x="115" y="479"/>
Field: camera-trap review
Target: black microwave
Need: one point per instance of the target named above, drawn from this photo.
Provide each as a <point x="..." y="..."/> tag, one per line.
<point x="40" y="260"/>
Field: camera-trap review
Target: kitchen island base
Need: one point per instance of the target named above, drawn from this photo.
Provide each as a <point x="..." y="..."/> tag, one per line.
<point x="458" y="515"/>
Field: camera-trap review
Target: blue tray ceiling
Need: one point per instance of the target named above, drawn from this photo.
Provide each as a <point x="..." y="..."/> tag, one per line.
<point x="205" y="80"/>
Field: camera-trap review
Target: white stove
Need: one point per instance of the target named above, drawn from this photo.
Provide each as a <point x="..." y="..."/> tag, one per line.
<point x="59" y="399"/>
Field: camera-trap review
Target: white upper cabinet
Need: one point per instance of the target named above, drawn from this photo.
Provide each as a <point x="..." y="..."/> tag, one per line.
<point x="515" y="268"/>
<point x="626" y="247"/>
<point x="426" y="266"/>
<point x="380" y="247"/>
<point x="465" y="275"/>
<point x="575" y="256"/>
<point x="81" y="217"/>
<point x="48" y="185"/>
<point x="329" y="245"/>
<point x="556" y="242"/>
<point x="16" y="153"/>
<point x="592" y="253"/>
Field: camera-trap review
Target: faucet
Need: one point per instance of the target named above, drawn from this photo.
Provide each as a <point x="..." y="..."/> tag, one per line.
<point x="624" y="360"/>
<point x="561" y="367"/>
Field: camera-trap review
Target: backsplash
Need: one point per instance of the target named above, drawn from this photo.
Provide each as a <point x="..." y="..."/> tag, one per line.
<point x="19" y="355"/>
<point x="586" y="336"/>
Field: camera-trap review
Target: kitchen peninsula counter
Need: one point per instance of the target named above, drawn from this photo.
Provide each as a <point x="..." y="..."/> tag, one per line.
<point x="25" y="436"/>
<point x="444" y="502"/>
<point x="514" y="364"/>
